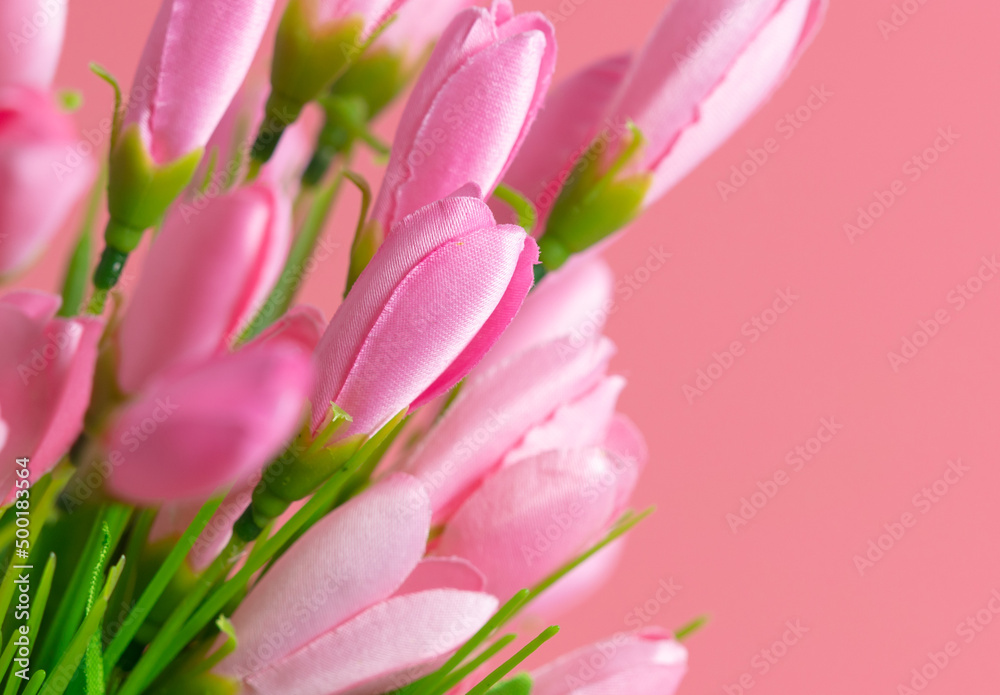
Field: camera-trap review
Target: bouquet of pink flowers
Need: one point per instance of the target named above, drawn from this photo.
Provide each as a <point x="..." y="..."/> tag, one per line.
<point x="208" y="488"/>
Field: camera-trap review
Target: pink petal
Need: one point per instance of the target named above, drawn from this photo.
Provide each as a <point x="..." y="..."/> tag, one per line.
<point x="752" y="78"/>
<point x="33" y="35"/>
<point x="581" y="423"/>
<point x="356" y="556"/>
<point x="443" y="573"/>
<point x="197" y="430"/>
<point x="209" y="272"/>
<point x="533" y="516"/>
<point x="494" y="411"/>
<point x="574" y="301"/>
<point x="567" y="124"/>
<point x="389" y="645"/>
<point x="42" y="178"/>
<point x="303" y="325"/>
<point x="46" y="389"/>
<point x="195" y="59"/>
<point x="648" y="662"/>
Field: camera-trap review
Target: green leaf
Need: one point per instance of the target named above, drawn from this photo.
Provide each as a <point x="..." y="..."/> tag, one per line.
<point x="117" y="115"/>
<point x="518" y="685"/>
<point x="38" y="604"/>
<point x="78" y="268"/>
<point x="690" y="628"/>
<point x="156" y="586"/>
<point x="506" y="667"/>
<point x="94" y="671"/>
<point x="70" y="660"/>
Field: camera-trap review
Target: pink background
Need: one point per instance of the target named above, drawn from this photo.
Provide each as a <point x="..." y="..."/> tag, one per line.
<point x="825" y="357"/>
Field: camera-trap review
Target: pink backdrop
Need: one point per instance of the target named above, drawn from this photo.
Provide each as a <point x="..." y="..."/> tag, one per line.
<point x="781" y="546"/>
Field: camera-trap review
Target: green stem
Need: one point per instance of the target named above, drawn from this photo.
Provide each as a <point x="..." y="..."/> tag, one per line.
<point x="78" y="268"/>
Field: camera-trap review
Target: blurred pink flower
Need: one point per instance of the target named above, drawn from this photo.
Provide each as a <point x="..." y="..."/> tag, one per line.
<point x="45" y="381"/>
<point x="208" y="273"/>
<point x="431" y="302"/>
<point x="195" y="59"/>
<point x="39" y="183"/>
<point x="33" y="31"/>
<point x="192" y="431"/>
<point x="351" y="607"/>
<point x="470" y="109"/>
<point x="648" y="662"/>
<point x="531" y="517"/>
<point x="418" y="24"/>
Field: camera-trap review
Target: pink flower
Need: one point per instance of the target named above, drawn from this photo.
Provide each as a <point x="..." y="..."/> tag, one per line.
<point x="48" y="367"/>
<point x="208" y="273"/>
<point x="33" y="33"/>
<point x="573" y="302"/>
<point x="704" y="70"/>
<point x="574" y="114"/>
<point x="351" y="607"/>
<point x="648" y="662"/>
<point x="433" y="300"/>
<point x="195" y="430"/>
<point x="470" y="109"/>
<point x="195" y="59"/>
<point x="496" y="409"/>
<point x="38" y="188"/>
<point x="531" y="517"/>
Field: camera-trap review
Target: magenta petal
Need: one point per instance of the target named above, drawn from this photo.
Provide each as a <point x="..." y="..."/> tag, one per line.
<point x="531" y="517"/>
<point x="354" y="557"/>
<point x="389" y="645"/>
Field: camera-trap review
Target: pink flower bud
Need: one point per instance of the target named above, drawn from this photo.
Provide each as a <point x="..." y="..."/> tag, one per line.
<point x="351" y="608"/>
<point x="32" y="32"/>
<point x="44" y="171"/>
<point x="487" y="75"/>
<point x="648" y="662"/>
<point x="195" y="430"/>
<point x="704" y="70"/>
<point x="48" y="367"/>
<point x="195" y="59"/>
<point x="208" y="272"/>
<point x="433" y="300"/>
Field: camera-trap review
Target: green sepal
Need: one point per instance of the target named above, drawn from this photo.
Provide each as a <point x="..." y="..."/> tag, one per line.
<point x="140" y="190"/>
<point x="201" y="684"/>
<point x="309" y="55"/>
<point x="594" y="204"/>
<point x="377" y="78"/>
<point x="518" y="685"/>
